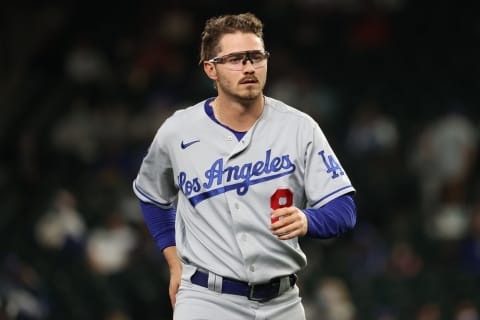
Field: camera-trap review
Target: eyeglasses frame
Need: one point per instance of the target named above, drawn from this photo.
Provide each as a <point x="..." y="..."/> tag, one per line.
<point x="221" y="59"/>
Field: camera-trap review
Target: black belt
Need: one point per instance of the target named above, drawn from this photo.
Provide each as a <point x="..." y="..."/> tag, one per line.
<point x="256" y="292"/>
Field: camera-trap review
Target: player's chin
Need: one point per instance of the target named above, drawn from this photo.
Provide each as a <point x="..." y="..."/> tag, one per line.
<point x="251" y="93"/>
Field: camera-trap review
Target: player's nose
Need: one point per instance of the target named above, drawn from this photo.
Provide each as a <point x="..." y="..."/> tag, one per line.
<point x="248" y="66"/>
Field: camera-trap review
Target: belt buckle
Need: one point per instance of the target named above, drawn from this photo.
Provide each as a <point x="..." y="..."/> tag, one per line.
<point x="251" y="292"/>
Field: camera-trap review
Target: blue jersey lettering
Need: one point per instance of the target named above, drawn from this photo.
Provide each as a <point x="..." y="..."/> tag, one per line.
<point x="239" y="177"/>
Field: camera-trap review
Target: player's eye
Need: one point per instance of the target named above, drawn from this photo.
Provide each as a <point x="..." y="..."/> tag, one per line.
<point x="257" y="56"/>
<point x="235" y="58"/>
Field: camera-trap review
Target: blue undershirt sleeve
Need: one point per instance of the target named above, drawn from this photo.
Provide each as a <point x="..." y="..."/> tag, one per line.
<point x="161" y="223"/>
<point x="333" y="219"/>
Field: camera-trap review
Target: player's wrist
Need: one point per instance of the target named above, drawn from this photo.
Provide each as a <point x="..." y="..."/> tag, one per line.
<point x="173" y="261"/>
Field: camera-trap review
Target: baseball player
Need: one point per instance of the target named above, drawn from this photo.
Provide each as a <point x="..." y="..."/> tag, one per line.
<point x="250" y="175"/>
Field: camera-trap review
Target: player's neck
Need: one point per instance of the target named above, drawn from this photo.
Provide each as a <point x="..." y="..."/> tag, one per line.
<point x="238" y="115"/>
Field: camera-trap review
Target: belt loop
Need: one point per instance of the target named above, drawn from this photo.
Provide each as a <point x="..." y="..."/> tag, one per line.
<point x="215" y="282"/>
<point x="284" y="284"/>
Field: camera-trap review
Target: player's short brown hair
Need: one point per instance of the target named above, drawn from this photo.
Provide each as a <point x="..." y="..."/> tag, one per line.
<point x="216" y="27"/>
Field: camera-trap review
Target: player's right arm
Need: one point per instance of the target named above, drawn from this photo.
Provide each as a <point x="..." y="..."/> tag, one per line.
<point x="155" y="188"/>
<point x="161" y="224"/>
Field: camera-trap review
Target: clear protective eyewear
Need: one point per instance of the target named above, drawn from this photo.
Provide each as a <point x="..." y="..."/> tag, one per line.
<point x="237" y="60"/>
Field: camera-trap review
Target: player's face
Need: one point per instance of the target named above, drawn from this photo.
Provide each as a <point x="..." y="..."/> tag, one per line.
<point x="248" y="81"/>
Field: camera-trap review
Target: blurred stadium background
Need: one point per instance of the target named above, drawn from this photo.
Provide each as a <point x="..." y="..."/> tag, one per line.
<point x="394" y="84"/>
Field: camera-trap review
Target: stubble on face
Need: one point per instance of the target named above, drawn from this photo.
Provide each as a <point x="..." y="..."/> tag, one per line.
<point x="248" y="88"/>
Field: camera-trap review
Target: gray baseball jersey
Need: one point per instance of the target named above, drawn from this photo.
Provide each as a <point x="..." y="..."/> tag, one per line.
<point x="227" y="188"/>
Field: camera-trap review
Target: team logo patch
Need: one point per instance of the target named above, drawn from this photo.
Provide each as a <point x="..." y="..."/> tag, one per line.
<point x="332" y="165"/>
<point x="219" y="178"/>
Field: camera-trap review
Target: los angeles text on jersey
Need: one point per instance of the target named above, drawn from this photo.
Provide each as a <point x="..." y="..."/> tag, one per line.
<point x="241" y="177"/>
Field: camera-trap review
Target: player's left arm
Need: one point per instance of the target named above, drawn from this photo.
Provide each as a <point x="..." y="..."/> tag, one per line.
<point x="332" y="220"/>
<point x="329" y="192"/>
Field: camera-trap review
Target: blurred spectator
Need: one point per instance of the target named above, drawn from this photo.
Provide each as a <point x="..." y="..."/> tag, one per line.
<point x="22" y="295"/>
<point x="333" y="300"/>
<point x="466" y="310"/>
<point x="371" y="132"/>
<point x="62" y="226"/>
<point x="86" y="65"/>
<point x="443" y="160"/>
<point x="316" y="98"/>
<point x="109" y="246"/>
<point x="404" y="261"/>
<point x="429" y="311"/>
<point x="74" y="134"/>
<point x="115" y="134"/>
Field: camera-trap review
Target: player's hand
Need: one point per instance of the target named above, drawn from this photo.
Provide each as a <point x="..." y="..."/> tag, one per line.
<point x="175" y="279"/>
<point x="292" y="223"/>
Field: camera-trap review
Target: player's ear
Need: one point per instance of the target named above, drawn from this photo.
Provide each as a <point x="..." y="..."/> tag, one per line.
<point x="210" y="70"/>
